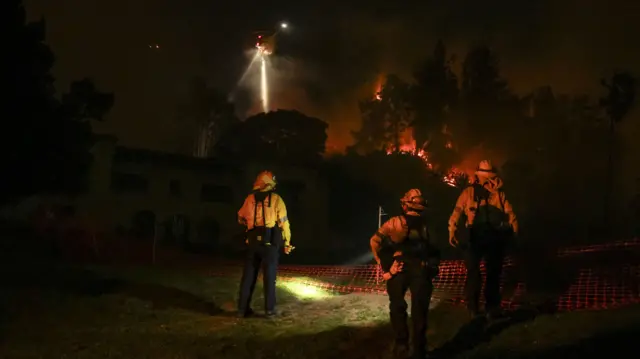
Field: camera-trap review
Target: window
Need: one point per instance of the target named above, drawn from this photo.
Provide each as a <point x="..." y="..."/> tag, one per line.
<point x="216" y="193"/>
<point x="175" y="187"/>
<point x="129" y="182"/>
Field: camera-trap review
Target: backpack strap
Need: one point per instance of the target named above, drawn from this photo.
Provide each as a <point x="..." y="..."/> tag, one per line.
<point x="255" y="210"/>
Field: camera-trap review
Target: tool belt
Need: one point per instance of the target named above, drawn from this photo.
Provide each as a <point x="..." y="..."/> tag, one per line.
<point x="265" y="236"/>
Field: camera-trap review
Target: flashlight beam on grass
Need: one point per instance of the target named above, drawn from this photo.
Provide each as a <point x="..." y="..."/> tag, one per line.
<point x="304" y="289"/>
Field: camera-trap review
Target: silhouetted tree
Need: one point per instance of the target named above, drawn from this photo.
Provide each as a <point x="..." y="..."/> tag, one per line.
<point x="280" y="135"/>
<point x="395" y="101"/>
<point x="621" y="96"/>
<point x="485" y="93"/>
<point x="385" y="117"/>
<point x="434" y="94"/>
<point x="371" y="136"/>
<point x="45" y="142"/>
<point x="206" y="116"/>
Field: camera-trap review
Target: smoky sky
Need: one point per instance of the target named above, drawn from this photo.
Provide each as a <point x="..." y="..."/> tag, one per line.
<point x="332" y="55"/>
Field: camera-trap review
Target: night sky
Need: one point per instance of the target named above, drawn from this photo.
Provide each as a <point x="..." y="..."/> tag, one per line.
<point x="332" y="54"/>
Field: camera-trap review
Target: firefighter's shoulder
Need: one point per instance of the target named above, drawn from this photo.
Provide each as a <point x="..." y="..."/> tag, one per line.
<point x="394" y="222"/>
<point x="276" y="197"/>
<point x="467" y="191"/>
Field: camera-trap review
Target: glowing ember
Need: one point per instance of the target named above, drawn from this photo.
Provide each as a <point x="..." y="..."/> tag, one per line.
<point x="378" y="88"/>
<point x="408" y="147"/>
<point x="406" y="150"/>
<point x="452" y="178"/>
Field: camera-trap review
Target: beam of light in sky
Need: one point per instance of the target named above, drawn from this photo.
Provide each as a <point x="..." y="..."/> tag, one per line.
<point x="246" y="71"/>
<point x="264" y="86"/>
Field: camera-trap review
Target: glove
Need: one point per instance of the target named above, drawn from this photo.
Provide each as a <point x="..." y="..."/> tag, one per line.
<point x="396" y="268"/>
<point x="453" y="241"/>
<point x="288" y="248"/>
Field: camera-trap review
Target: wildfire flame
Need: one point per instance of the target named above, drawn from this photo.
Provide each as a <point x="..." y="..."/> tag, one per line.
<point x="378" y="88"/>
<point x="408" y="147"/>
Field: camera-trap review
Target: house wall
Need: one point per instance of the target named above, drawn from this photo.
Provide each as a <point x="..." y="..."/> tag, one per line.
<point x="106" y="206"/>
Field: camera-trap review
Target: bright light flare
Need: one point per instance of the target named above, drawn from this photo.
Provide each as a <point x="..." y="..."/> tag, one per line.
<point x="284" y="25"/>
<point x="264" y="85"/>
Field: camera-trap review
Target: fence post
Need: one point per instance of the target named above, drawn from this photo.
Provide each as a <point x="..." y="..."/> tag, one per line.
<point x="378" y="270"/>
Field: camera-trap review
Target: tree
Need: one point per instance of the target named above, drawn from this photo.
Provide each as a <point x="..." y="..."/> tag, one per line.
<point x="620" y="97"/>
<point x="281" y="135"/>
<point x="435" y="92"/>
<point x="46" y="142"/>
<point x="483" y="91"/>
<point x="385" y="117"/>
<point x="372" y="134"/>
<point x="206" y="116"/>
<point x="396" y="107"/>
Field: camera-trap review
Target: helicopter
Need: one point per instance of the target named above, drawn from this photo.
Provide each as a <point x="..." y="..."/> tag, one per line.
<point x="265" y="40"/>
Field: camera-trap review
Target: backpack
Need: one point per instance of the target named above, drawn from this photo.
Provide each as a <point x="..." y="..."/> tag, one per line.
<point x="482" y="194"/>
<point x="262" y="235"/>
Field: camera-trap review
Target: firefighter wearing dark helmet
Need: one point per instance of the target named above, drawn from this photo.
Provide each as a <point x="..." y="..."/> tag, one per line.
<point x="408" y="259"/>
<point x="265" y="216"/>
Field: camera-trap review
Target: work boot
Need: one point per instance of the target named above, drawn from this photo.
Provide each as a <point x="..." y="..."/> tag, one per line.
<point x="400" y="351"/>
<point x="245" y="313"/>
<point x="272" y="314"/>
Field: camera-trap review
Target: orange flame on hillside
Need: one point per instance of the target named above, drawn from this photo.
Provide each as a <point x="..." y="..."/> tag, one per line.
<point x="408" y="147"/>
<point x="378" y="88"/>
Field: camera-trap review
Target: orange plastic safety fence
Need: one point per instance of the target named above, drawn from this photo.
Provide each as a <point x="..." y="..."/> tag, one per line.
<point x="589" y="284"/>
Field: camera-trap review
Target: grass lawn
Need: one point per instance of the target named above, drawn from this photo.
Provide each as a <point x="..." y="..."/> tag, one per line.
<point x="54" y="312"/>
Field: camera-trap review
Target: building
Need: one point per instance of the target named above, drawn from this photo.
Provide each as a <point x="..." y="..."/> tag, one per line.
<point x="189" y="200"/>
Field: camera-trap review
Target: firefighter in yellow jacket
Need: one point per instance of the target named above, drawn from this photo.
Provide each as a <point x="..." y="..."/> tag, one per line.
<point x="265" y="216"/>
<point x="409" y="261"/>
<point x="492" y="224"/>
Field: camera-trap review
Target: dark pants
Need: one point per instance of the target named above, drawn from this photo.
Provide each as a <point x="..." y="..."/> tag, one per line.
<point x="489" y="246"/>
<point x="415" y="278"/>
<point x="267" y="258"/>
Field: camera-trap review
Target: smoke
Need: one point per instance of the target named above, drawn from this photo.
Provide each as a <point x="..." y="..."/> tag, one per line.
<point x="333" y="52"/>
<point x="568" y="45"/>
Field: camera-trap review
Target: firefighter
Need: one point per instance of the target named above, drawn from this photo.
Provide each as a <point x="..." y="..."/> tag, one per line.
<point x="492" y="224"/>
<point x="409" y="261"/>
<point x="268" y="231"/>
